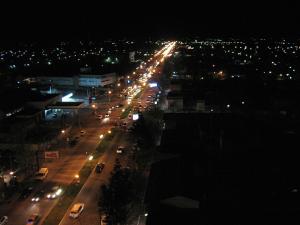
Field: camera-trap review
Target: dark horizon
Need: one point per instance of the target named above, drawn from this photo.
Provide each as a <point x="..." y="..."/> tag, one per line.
<point x="162" y="20"/>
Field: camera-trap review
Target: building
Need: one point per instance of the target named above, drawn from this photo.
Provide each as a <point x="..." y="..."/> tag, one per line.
<point x="132" y="56"/>
<point x="225" y="169"/>
<point x="79" y="81"/>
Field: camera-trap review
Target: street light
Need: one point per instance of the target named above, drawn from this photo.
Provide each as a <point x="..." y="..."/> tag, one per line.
<point x="101" y="136"/>
<point x="91" y="158"/>
<point x="109" y="132"/>
<point x="109" y="93"/>
<point x="63" y="131"/>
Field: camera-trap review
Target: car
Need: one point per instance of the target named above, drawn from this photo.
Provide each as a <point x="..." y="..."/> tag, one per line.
<point x="129" y="116"/>
<point x="55" y="192"/>
<point x="73" y="141"/>
<point x="120" y="149"/>
<point x="33" y="219"/>
<point x="3" y="220"/>
<point x="106" y="115"/>
<point x="100" y="117"/>
<point x="82" y="133"/>
<point x="76" y="210"/>
<point x="109" y="111"/>
<point x="41" y="174"/>
<point x="38" y="196"/>
<point x="105" y="220"/>
<point x="99" y="167"/>
<point x="26" y="192"/>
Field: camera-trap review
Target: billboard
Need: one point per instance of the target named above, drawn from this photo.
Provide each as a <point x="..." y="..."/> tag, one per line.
<point x="51" y="155"/>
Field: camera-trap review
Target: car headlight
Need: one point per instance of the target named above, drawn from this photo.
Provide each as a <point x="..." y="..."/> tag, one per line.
<point x="48" y="196"/>
<point x="33" y="199"/>
<point x="58" y="192"/>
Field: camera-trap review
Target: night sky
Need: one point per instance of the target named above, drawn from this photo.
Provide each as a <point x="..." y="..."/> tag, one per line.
<point x="151" y="18"/>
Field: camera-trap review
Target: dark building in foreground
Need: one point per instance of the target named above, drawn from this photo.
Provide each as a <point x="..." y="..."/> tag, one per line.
<point x="227" y="169"/>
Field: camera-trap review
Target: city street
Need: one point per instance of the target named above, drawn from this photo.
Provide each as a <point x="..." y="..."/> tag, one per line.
<point x="62" y="170"/>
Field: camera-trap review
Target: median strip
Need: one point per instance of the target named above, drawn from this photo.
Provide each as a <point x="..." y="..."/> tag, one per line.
<point x="126" y="112"/>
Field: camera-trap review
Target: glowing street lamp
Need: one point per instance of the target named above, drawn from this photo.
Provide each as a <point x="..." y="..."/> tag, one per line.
<point x="91" y="158"/>
<point x="109" y="132"/>
<point x="63" y="131"/>
<point x="101" y="136"/>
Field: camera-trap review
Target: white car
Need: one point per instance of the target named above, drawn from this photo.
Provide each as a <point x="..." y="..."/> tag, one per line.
<point x="4" y="220"/>
<point x="76" y="210"/>
<point x="120" y="149"/>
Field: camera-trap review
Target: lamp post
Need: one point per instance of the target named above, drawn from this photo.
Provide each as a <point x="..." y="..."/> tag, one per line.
<point x="94" y="107"/>
<point x="109" y="94"/>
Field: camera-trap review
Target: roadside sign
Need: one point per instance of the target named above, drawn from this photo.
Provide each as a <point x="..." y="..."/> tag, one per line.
<point x="51" y="155"/>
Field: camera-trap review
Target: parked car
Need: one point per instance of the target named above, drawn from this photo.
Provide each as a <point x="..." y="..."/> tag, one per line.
<point x="26" y="192"/>
<point x="76" y="210"/>
<point x="73" y="142"/>
<point x="82" y="133"/>
<point x="41" y="174"/>
<point x="105" y="220"/>
<point x="33" y="219"/>
<point x="99" y="167"/>
<point x="4" y="220"/>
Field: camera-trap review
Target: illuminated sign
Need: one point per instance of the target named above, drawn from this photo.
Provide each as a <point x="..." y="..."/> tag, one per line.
<point x="67" y="97"/>
<point x="153" y="85"/>
<point x="135" y="116"/>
